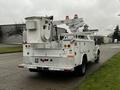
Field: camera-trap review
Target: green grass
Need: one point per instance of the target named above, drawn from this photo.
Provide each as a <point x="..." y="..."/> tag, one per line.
<point x="106" y="77"/>
<point x="11" y="49"/>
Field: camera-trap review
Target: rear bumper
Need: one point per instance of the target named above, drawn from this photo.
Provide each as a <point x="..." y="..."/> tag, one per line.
<point x="48" y="63"/>
<point x="46" y="68"/>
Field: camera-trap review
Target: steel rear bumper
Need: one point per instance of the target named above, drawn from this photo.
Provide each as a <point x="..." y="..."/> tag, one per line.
<point x="48" y="68"/>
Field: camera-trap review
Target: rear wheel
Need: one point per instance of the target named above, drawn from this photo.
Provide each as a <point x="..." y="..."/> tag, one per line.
<point x="81" y="70"/>
<point x="98" y="57"/>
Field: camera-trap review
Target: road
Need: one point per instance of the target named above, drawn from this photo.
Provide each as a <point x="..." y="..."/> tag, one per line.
<point x="13" y="78"/>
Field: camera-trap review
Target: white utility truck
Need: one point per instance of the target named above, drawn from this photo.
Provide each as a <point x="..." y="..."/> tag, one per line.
<point x="50" y="46"/>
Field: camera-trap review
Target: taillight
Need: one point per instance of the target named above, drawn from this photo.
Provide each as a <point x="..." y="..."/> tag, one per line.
<point x="27" y="46"/>
<point x="67" y="46"/>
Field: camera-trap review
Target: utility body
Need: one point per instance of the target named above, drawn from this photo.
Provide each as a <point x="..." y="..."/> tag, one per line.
<point x="49" y="47"/>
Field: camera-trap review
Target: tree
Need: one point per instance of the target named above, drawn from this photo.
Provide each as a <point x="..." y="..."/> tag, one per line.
<point x="1" y="34"/>
<point x="18" y="30"/>
<point x="116" y="33"/>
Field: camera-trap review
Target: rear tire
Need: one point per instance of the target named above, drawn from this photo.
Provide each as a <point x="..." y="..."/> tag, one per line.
<point x="98" y="57"/>
<point x="81" y="70"/>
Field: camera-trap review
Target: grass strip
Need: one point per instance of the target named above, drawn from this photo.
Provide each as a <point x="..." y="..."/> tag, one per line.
<point x="107" y="77"/>
<point x="10" y="49"/>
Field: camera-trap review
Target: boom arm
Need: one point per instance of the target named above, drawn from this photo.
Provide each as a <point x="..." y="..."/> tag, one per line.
<point x="73" y="24"/>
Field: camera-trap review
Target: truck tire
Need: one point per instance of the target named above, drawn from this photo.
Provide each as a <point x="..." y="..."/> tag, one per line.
<point x="81" y="70"/>
<point x="98" y="57"/>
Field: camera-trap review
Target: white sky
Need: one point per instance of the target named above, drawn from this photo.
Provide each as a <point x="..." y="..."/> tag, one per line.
<point x="96" y="13"/>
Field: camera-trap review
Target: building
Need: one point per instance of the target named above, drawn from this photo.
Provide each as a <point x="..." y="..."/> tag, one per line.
<point x="11" y="33"/>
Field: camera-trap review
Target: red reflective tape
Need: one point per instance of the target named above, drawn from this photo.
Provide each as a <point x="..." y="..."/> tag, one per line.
<point x="70" y="55"/>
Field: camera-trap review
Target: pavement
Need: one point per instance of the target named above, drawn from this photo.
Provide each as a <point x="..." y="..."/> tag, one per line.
<point x="14" y="78"/>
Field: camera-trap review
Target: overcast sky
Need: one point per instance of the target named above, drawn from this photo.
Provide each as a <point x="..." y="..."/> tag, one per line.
<point x="96" y="13"/>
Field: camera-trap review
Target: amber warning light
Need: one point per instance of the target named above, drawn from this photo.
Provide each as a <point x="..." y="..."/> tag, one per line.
<point x="67" y="18"/>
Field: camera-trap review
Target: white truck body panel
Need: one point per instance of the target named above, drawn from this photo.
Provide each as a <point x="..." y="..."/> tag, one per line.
<point x="59" y="59"/>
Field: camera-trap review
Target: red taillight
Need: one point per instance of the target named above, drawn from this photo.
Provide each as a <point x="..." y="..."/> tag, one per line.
<point x="27" y="46"/>
<point x="67" y="46"/>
